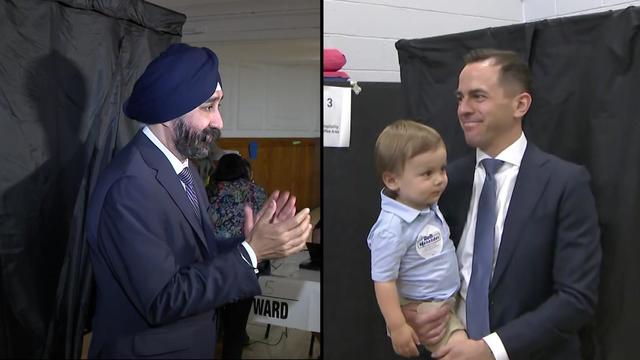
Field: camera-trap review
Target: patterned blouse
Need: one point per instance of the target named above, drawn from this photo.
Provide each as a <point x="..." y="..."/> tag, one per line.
<point x="227" y="199"/>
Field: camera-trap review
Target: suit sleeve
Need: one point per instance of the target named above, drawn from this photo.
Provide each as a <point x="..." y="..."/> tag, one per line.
<point x="134" y="241"/>
<point x="576" y="269"/>
<point x="228" y="244"/>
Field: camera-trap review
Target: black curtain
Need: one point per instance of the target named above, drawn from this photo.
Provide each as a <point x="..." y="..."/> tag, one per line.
<point x="352" y="325"/>
<point x="66" y="67"/>
<point x="586" y="72"/>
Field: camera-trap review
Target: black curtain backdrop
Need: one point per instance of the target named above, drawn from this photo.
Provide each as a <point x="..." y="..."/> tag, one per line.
<point x="66" y="67"/>
<point x="352" y="325"/>
<point x="586" y="72"/>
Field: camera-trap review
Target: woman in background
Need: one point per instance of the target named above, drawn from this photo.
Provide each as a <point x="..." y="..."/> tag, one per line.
<point x="229" y="189"/>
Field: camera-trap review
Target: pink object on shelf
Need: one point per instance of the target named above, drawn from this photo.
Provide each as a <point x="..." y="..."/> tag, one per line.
<point x="333" y="61"/>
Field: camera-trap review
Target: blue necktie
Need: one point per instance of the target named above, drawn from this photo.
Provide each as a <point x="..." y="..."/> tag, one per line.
<point x="187" y="180"/>
<point x="478" y="292"/>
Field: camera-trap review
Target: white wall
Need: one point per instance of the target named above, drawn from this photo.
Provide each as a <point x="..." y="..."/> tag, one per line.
<point x="366" y="30"/>
<point x="270" y="87"/>
<point x="545" y="9"/>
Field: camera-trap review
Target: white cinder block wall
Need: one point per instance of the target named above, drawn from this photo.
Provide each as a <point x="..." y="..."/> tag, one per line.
<point x="545" y="9"/>
<point x="366" y="30"/>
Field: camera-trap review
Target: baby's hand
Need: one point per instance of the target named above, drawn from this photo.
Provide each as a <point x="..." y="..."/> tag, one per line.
<point x="404" y="341"/>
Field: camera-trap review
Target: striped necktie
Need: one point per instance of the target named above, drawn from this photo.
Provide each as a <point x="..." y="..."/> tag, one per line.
<point x="187" y="180"/>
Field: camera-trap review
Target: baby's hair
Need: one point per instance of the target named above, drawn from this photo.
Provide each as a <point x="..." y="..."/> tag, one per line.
<point x="402" y="140"/>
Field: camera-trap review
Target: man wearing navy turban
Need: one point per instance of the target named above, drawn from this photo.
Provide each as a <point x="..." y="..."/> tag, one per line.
<point x="160" y="272"/>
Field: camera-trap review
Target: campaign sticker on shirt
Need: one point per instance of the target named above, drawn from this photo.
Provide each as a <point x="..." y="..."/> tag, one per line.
<point x="429" y="241"/>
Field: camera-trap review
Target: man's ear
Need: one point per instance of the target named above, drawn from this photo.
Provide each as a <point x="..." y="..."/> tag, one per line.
<point x="522" y="103"/>
<point x="390" y="181"/>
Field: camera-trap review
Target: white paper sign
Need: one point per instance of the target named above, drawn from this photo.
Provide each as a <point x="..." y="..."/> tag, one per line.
<point x="337" y="116"/>
<point x="287" y="302"/>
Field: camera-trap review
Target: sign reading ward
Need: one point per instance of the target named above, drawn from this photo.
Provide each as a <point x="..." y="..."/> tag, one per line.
<point x="287" y="302"/>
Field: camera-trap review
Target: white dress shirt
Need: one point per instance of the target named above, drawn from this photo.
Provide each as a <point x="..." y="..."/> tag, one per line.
<point x="505" y="182"/>
<point x="177" y="167"/>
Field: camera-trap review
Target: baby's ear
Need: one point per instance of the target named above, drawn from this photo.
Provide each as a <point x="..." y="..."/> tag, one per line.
<point x="390" y="180"/>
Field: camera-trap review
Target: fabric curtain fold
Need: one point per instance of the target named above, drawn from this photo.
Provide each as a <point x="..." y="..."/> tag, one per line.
<point x="66" y="67"/>
<point x="585" y="88"/>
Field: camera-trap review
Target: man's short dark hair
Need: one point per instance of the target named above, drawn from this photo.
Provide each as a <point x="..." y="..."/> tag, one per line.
<point x="512" y="68"/>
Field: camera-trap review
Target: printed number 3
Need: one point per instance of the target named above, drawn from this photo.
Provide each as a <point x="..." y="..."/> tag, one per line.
<point x="329" y="102"/>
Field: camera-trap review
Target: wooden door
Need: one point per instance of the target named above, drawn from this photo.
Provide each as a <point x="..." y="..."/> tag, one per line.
<point x="284" y="164"/>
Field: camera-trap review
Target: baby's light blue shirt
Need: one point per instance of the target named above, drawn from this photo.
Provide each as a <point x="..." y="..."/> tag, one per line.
<point x="413" y="247"/>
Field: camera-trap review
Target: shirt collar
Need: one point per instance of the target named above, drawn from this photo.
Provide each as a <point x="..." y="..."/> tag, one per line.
<point x="406" y="213"/>
<point x="512" y="154"/>
<point x="175" y="162"/>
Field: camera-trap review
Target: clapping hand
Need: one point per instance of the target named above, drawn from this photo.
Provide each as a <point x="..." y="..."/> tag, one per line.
<point x="277" y="231"/>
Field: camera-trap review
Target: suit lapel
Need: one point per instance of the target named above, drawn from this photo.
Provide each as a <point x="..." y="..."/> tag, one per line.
<point x="168" y="178"/>
<point x="206" y="218"/>
<point x="530" y="183"/>
<point x="454" y="203"/>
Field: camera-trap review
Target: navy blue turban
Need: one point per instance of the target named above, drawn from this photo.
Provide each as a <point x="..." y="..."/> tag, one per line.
<point x="180" y="79"/>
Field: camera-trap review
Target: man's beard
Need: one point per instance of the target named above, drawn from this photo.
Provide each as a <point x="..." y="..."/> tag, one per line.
<point x="192" y="144"/>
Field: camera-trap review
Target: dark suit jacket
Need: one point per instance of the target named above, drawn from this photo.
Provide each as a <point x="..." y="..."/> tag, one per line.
<point x="545" y="283"/>
<point x="160" y="274"/>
